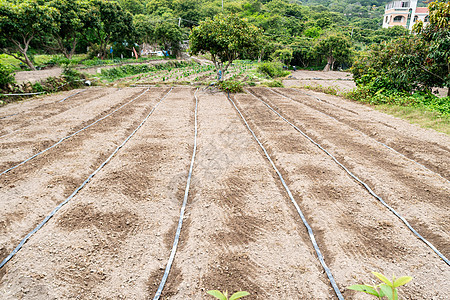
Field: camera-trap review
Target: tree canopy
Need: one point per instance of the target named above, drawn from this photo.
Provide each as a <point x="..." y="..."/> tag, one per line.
<point x="21" y="23"/>
<point x="225" y="38"/>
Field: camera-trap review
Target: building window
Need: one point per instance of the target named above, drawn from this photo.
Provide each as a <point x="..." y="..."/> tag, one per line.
<point x="387" y="19"/>
<point x="416" y="18"/>
<point x="405" y="4"/>
<point x="398" y="19"/>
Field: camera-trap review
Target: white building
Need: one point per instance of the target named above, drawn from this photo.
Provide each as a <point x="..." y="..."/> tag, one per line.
<point x="404" y="13"/>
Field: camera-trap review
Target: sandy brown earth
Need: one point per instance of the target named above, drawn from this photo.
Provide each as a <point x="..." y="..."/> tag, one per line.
<point x="240" y="231"/>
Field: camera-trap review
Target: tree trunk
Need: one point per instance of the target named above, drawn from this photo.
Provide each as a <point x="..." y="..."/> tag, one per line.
<point x="72" y="51"/>
<point x="330" y="64"/>
<point x="23" y="51"/>
<point x="28" y="62"/>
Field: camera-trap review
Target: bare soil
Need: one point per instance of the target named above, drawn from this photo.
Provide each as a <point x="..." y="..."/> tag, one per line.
<point x="340" y="81"/>
<point x="241" y="232"/>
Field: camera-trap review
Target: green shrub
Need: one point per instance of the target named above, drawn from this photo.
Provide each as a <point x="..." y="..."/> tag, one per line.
<point x="231" y="86"/>
<point x="272" y="69"/>
<point x="58" y="60"/>
<point x="6" y="75"/>
<point x="73" y="78"/>
<point x="37" y="87"/>
<point x="371" y="95"/>
<point x="274" y="83"/>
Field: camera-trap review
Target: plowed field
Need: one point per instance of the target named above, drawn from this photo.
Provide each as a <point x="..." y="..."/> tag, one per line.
<point x="121" y="158"/>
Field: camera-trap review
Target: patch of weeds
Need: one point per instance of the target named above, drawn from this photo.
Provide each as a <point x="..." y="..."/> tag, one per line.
<point x="6" y="75"/>
<point x="330" y="90"/>
<point x="70" y="79"/>
<point x="231" y="86"/>
<point x="37" y="87"/>
<point x="274" y="83"/>
<point x="272" y="69"/>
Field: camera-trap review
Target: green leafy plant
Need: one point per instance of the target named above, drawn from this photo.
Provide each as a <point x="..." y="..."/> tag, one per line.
<point x="224" y="296"/>
<point x="386" y="289"/>
<point x="272" y="69"/>
<point x="231" y="86"/>
<point x="6" y="75"/>
<point x="274" y="83"/>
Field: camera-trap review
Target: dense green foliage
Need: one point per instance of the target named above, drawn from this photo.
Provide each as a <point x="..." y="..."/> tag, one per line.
<point x="231" y="86"/>
<point x="405" y="71"/>
<point x="6" y="75"/>
<point x="272" y="69"/>
<point x="292" y="30"/>
<point x="23" y="22"/>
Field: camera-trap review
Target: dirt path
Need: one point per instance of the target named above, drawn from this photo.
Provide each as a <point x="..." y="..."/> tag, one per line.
<point x="341" y="81"/>
<point x="40" y="75"/>
<point x="241" y="231"/>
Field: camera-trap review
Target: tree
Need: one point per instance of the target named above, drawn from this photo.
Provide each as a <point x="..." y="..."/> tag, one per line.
<point x="395" y="65"/>
<point x="168" y="35"/>
<point x="302" y="54"/>
<point x="334" y="47"/>
<point x="65" y="36"/>
<point x="133" y="6"/>
<point x="107" y="22"/>
<point x="21" y="23"/>
<point x="188" y="10"/>
<point x="437" y="36"/>
<point x="154" y="5"/>
<point x="283" y="55"/>
<point x="226" y="37"/>
<point x="143" y="28"/>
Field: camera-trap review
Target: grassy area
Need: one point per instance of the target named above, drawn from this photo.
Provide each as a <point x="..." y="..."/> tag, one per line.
<point x="419" y="116"/>
<point x="423" y="114"/>
<point x="10" y="61"/>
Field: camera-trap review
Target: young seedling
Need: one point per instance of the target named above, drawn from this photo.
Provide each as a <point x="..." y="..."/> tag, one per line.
<point x="224" y="296"/>
<point x="386" y="289"/>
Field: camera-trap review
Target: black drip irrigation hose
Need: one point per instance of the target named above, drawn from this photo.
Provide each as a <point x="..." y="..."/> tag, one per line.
<point x="24" y="94"/>
<point x="27" y="237"/>
<point x="71" y="135"/>
<point x="299" y="211"/>
<point x="361" y="182"/>
<point x="183" y="208"/>
<point x="4" y="117"/>
<point x="366" y="135"/>
<point x="71" y="96"/>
